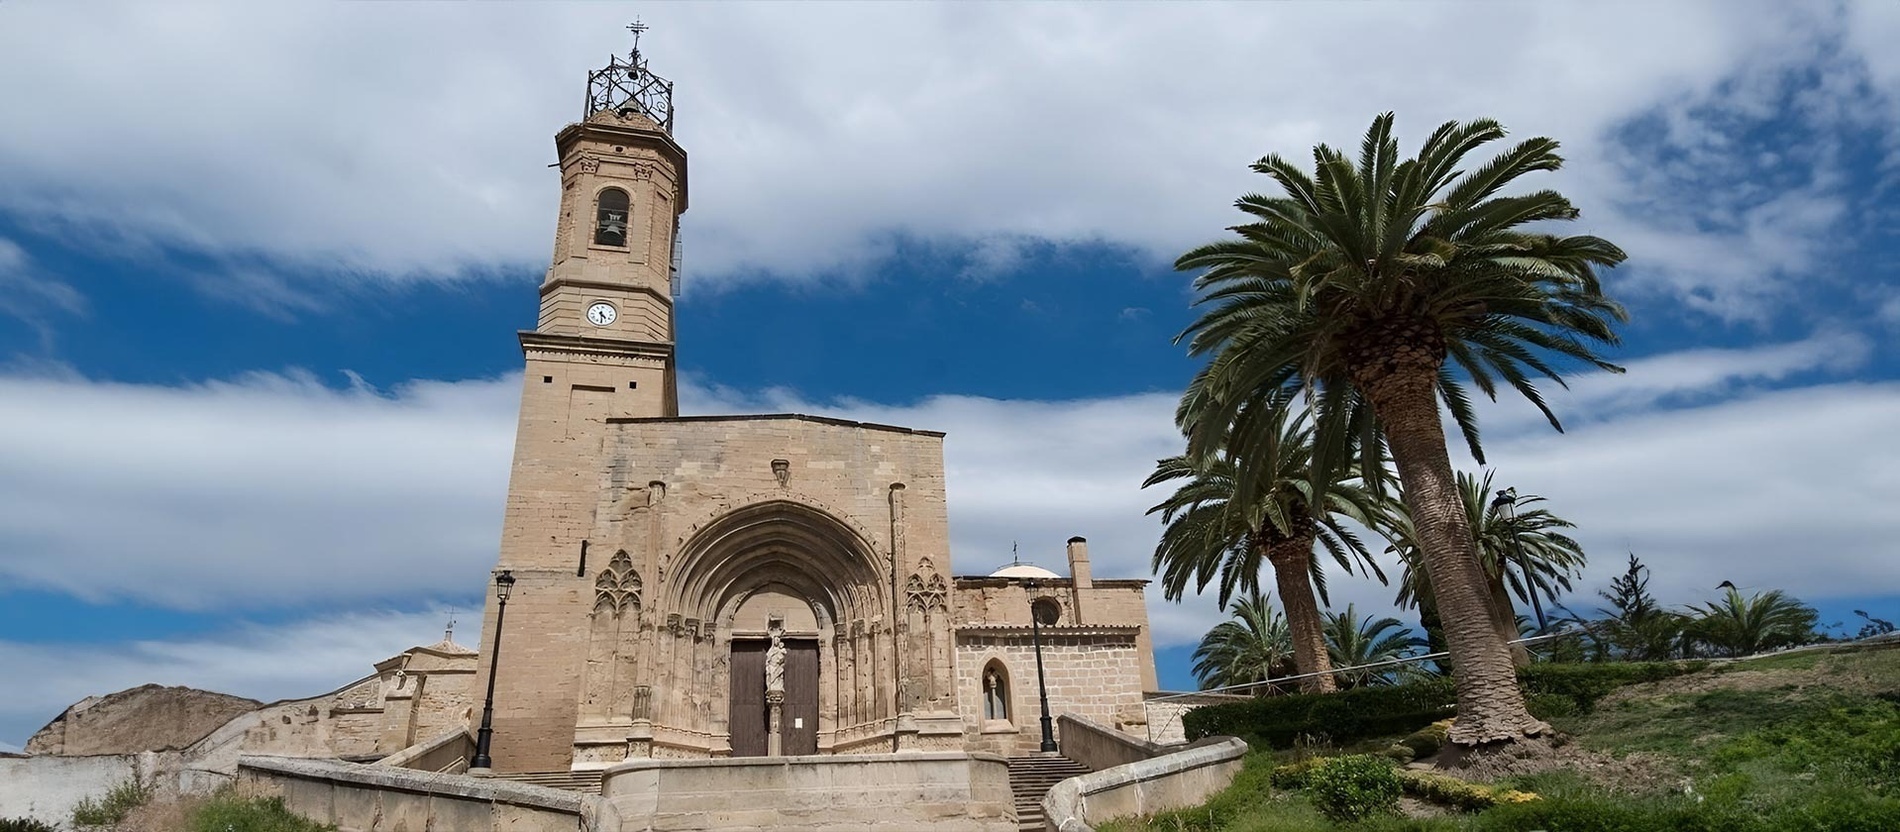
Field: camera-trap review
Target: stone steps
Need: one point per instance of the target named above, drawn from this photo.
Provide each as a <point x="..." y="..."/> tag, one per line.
<point x="574" y="781"/>
<point x="1030" y="779"/>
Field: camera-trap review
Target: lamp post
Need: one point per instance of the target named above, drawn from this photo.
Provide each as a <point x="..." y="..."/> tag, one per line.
<point x="1042" y="686"/>
<point x="1506" y="503"/>
<point x="504" y="583"/>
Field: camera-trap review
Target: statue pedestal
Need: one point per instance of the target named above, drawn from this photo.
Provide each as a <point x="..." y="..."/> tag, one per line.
<point x="774" y="727"/>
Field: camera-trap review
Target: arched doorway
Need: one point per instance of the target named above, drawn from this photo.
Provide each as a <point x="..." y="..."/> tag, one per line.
<point x="780" y="590"/>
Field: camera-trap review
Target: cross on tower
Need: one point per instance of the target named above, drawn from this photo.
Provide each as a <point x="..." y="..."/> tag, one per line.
<point x="636" y="27"/>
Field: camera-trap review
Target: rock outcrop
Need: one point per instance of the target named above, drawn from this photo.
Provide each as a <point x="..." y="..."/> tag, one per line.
<point x="145" y="718"/>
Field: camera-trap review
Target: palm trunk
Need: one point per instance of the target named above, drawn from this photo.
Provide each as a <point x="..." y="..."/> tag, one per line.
<point x="1504" y="619"/>
<point x="1292" y="560"/>
<point x="1400" y="384"/>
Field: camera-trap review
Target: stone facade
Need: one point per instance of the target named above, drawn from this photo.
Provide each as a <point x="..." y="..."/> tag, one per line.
<point x="667" y="566"/>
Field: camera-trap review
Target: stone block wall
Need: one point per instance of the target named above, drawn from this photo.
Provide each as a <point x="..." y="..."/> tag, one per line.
<point x="1093" y="673"/>
<point x="930" y="791"/>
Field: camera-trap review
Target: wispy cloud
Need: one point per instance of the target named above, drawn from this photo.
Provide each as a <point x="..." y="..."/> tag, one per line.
<point x="324" y="135"/>
<point x="297" y="659"/>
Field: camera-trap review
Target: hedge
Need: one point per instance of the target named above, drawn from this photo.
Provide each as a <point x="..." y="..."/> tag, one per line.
<point x="1552" y="690"/>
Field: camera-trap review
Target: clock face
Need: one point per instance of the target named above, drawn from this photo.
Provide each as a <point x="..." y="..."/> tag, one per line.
<point x="601" y="314"/>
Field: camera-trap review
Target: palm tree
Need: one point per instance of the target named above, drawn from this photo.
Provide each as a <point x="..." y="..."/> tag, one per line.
<point x="1253" y="646"/>
<point x="1209" y="534"/>
<point x="1742" y="626"/>
<point x="1362" y="288"/>
<point x="1524" y="553"/>
<point x="1354" y="643"/>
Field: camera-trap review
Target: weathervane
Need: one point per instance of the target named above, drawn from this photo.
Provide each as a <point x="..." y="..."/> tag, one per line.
<point x="636" y="27"/>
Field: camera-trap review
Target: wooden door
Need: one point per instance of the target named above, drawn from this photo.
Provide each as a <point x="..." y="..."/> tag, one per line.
<point x="801" y="697"/>
<point x="746" y="722"/>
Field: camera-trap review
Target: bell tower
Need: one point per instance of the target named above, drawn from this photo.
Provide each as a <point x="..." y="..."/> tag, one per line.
<point x="601" y="350"/>
<point x="606" y="322"/>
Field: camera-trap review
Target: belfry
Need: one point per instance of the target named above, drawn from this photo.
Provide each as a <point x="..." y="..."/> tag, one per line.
<point x="732" y="586"/>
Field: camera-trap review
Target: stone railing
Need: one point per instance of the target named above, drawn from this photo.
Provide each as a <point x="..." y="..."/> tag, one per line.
<point x="1171" y="781"/>
<point x="355" y="796"/>
<point x="448" y="754"/>
<point x="1100" y="747"/>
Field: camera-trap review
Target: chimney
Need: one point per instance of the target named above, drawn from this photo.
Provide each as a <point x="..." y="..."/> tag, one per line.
<point x="1079" y="563"/>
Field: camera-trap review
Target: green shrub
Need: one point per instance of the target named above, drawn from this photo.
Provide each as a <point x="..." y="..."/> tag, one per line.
<point x="119" y="801"/>
<point x="1343" y="717"/>
<point x="1553" y="690"/>
<point x="1353" y="788"/>
<point x="1293" y="775"/>
<point x="1463" y="794"/>
<point x="1551" y="705"/>
<point x="1427" y="740"/>
<point x="24" y="825"/>
<point x="1584" y="684"/>
<point x="226" y="812"/>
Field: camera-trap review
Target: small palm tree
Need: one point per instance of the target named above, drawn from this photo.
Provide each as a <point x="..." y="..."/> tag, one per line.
<point x="1524" y="553"/>
<point x="1354" y="642"/>
<point x="1295" y="505"/>
<point x="1740" y="626"/>
<point x="1363" y="287"/>
<point x="1253" y="646"/>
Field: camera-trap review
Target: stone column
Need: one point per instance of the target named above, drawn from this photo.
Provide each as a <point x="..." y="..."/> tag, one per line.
<point x="774" y="706"/>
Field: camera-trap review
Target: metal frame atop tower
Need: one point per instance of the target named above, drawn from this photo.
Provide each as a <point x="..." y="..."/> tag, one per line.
<point x="628" y="85"/>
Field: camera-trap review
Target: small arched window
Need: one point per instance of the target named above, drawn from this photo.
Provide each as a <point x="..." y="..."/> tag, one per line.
<point x="610" y="219"/>
<point x="995" y="691"/>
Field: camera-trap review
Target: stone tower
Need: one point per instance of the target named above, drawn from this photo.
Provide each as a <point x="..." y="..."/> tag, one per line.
<point x="731" y="586"/>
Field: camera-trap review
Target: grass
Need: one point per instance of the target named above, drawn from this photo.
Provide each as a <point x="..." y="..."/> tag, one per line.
<point x="226" y="812"/>
<point x="1807" y="742"/>
<point x="118" y="802"/>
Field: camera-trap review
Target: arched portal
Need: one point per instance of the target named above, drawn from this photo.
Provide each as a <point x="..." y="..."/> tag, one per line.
<point x="788" y="573"/>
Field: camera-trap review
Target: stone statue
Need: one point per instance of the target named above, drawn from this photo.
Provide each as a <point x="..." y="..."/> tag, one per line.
<point x="775" y="660"/>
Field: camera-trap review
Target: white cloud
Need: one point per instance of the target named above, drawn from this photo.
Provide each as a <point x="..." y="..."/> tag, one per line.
<point x="272" y="489"/>
<point x="287" y="661"/>
<point x="252" y="493"/>
<point x="411" y="139"/>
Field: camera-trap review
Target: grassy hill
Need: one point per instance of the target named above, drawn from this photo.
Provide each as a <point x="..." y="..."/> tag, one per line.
<point x="1798" y="741"/>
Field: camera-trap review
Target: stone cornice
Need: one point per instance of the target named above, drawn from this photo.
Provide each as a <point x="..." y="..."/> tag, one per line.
<point x="560" y="283"/>
<point x="823" y="420"/>
<point x="547" y="345"/>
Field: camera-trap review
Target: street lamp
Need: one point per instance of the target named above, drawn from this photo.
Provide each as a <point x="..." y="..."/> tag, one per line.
<point x="1042" y="686"/>
<point x="1506" y="503"/>
<point x="504" y="583"/>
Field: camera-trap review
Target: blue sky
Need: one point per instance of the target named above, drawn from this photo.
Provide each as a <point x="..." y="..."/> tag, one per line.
<point x="261" y="269"/>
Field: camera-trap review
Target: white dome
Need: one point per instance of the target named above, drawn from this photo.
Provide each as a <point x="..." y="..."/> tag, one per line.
<point x="1023" y="570"/>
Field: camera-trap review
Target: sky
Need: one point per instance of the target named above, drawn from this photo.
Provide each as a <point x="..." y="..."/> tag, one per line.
<point x="261" y="266"/>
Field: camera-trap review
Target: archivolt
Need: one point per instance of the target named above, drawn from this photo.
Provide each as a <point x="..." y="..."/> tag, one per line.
<point x="782" y="542"/>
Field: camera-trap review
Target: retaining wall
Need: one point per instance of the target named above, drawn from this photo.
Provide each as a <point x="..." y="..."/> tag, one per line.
<point x="1181" y="778"/>
<point x="905" y="792"/>
<point x="359" y="798"/>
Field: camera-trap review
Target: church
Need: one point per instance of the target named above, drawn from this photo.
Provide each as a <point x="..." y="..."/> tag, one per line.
<point x="734" y="586"/>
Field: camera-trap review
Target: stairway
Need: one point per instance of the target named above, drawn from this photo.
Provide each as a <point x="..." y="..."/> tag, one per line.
<point x="573" y="781"/>
<point x="1031" y="777"/>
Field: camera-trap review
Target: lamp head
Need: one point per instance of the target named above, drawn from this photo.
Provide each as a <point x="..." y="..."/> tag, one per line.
<point x="504" y="583"/>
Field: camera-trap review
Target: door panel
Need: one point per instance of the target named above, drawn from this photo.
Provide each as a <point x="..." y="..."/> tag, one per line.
<point x="801" y="697"/>
<point x="747" y="720"/>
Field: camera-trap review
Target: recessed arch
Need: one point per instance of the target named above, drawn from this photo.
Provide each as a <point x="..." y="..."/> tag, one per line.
<point x="784" y="542"/>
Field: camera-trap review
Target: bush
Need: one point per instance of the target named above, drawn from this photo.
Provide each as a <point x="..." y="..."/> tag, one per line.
<point x="1451" y="791"/>
<point x="119" y="801"/>
<point x="24" y="825"/>
<point x="227" y="812"/>
<point x="1552" y="690"/>
<point x="1427" y="740"/>
<point x="1343" y="717"/>
<point x="1584" y="684"/>
<point x="1353" y="788"/>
